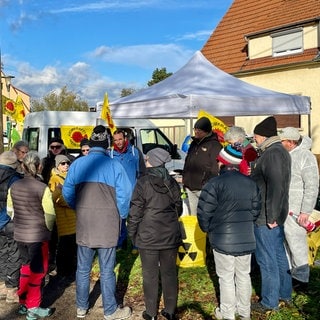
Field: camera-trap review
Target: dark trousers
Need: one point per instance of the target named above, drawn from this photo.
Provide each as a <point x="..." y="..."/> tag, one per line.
<point x="53" y="243"/>
<point x="67" y="255"/>
<point x="164" y="262"/>
<point x="10" y="261"/>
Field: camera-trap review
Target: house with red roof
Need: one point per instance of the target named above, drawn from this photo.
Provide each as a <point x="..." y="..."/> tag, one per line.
<point x="273" y="44"/>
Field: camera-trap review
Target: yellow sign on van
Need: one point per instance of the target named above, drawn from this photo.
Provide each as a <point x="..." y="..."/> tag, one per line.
<point x="72" y="135"/>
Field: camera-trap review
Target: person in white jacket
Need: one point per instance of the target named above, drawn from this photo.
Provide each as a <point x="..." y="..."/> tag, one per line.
<point x="303" y="194"/>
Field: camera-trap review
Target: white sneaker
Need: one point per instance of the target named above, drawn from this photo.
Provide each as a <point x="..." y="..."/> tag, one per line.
<point x="217" y="313"/>
<point x="81" y="313"/>
<point x="119" y="314"/>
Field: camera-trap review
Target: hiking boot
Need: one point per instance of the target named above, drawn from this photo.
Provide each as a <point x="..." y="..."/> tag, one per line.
<point x="147" y="317"/>
<point x="119" y="314"/>
<point x="257" y="307"/>
<point x="169" y="316"/>
<point x="38" y="313"/>
<point x="81" y="313"/>
<point x="52" y="270"/>
<point x="285" y="303"/>
<point x="300" y="287"/>
<point x="22" y="310"/>
<point x="12" y="296"/>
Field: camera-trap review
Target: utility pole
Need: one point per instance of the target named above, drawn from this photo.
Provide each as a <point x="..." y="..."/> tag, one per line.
<point x="8" y="84"/>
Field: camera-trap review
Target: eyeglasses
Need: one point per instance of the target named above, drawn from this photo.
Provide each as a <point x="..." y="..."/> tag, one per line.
<point x="64" y="163"/>
<point x="58" y="146"/>
<point x="23" y="152"/>
<point x="85" y="150"/>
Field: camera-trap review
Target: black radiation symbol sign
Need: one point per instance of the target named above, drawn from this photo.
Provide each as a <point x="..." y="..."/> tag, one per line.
<point x="186" y="246"/>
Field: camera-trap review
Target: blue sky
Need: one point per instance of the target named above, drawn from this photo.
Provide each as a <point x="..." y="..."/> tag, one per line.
<point x="94" y="47"/>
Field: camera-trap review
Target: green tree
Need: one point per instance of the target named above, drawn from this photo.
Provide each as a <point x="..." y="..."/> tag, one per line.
<point x="63" y="101"/>
<point x="159" y="75"/>
<point x="127" y="91"/>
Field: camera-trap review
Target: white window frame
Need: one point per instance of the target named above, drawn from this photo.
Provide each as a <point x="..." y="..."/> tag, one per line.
<point x="287" y="42"/>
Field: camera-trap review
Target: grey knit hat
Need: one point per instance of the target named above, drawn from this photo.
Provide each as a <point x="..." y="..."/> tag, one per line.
<point x="61" y="158"/>
<point x="290" y="133"/>
<point x="9" y="158"/>
<point x="158" y="157"/>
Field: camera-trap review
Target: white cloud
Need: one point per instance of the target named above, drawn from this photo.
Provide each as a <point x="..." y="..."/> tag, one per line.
<point x="199" y="36"/>
<point x="149" y="56"/>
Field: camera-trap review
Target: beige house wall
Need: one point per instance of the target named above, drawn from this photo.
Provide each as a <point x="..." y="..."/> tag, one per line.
<point x="304" y="81"/>
<point x="262" y="46"/>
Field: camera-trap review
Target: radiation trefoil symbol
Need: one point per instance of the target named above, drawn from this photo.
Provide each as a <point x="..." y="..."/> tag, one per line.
<point x="186" y="247"/>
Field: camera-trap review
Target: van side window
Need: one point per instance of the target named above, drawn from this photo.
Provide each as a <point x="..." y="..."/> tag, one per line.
<point x="31" y="135"/>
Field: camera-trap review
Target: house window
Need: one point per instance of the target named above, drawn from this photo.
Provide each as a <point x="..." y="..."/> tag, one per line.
<point x="292" y="120"/>
<point x="287" y="42"/>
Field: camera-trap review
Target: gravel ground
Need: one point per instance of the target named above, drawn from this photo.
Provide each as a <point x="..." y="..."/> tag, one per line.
<point x="62" y="297"/>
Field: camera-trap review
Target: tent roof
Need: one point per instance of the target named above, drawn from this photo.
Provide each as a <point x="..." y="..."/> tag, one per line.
<point x="200" y="85"/>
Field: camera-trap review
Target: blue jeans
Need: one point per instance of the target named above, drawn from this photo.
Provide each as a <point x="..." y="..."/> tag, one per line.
<point x="107" y="259"/>
<point x="276" y="281"/>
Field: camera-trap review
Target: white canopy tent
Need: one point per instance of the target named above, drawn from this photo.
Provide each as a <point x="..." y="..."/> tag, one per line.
<point x="200" y="85"/>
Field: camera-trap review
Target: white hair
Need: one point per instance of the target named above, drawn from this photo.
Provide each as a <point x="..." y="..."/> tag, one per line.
<point x="235" y="134"/>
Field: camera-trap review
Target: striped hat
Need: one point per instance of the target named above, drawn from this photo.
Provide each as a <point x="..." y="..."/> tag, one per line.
<point x="229" y="155"/>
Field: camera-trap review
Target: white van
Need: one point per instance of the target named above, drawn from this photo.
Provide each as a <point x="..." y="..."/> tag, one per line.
<point x="72" y="126"/>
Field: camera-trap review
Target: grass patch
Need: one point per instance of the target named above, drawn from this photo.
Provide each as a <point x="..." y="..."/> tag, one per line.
<point x="199" y="290"/>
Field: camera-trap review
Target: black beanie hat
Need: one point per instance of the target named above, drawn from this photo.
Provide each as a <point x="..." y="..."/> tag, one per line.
<point x="99" y="137"/>
<point x="266" y="128"/>
<point x="56" y="139"/>
<point x="84" y="142"/>
<point x="203" y="124"/>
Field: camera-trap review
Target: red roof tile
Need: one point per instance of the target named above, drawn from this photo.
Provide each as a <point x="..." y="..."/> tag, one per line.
<point x="227" y="48"/>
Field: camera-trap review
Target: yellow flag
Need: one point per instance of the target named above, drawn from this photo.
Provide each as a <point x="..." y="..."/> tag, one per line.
<point x="8" y="106"/>
<point x="218" y="126"/>
<point x="106" y="114"/>
<point x="15" y="110"/>
<point x="20" y="115"/>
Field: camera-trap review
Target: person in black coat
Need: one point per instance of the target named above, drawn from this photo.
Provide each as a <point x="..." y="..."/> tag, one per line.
<point x="153" y="227"/>
<point x="228" y="206"/>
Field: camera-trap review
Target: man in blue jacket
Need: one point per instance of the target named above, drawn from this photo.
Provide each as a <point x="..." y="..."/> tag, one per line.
<point x="96" y="187"/>
<point x="131" y="158"/>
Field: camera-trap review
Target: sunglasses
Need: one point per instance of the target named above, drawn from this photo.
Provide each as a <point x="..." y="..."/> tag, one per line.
<point x="85" y="150"/>
<point x="64" y="163"/>
<point x="55" y="146"/>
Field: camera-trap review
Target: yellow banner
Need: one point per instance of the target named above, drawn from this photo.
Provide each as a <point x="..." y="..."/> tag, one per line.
<point x="72" y="135"/>
<point x="218" y="126"/>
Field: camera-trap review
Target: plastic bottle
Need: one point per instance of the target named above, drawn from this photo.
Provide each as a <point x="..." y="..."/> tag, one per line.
<point x="309" y="226"/>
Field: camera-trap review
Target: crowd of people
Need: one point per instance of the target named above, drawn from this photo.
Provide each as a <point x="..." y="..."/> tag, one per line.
<point x="252" y="200"/>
